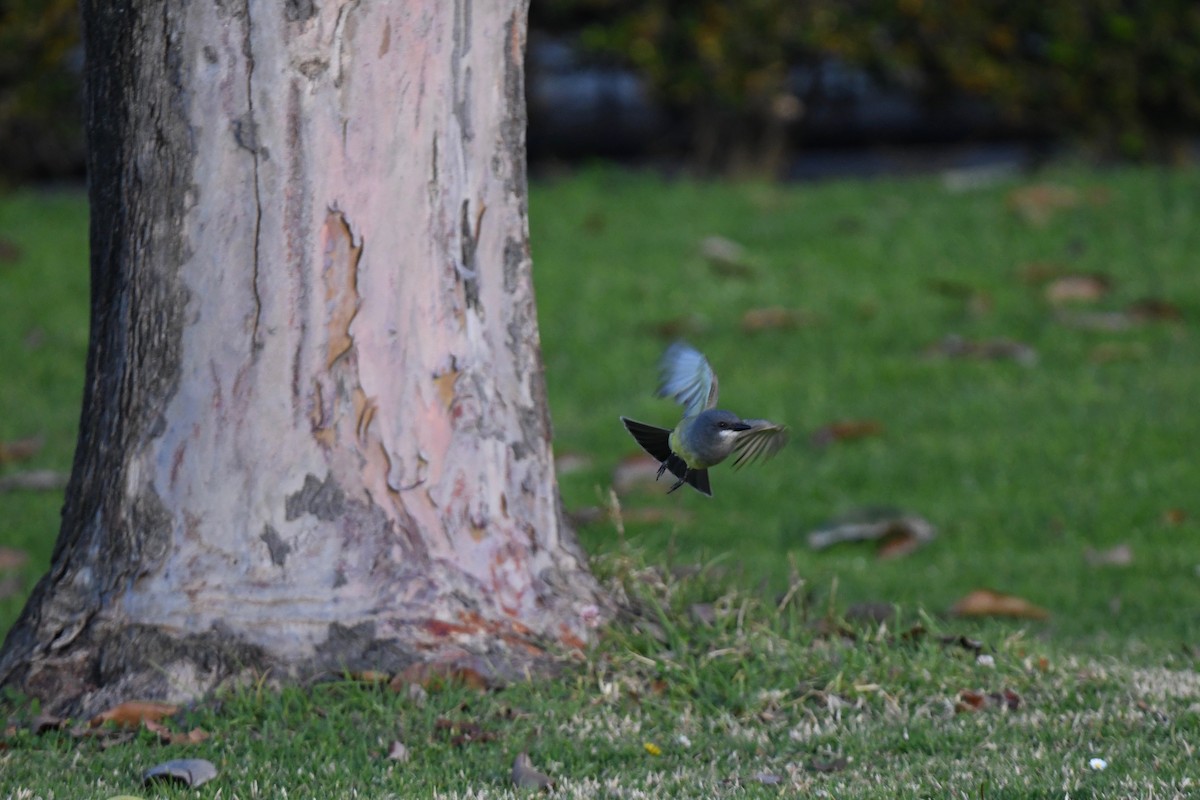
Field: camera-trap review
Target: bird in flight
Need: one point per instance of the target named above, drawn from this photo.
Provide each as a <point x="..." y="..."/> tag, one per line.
<point x="706" y="435"/>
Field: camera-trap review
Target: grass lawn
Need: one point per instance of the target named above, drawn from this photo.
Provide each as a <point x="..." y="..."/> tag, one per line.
<point x="1066" y="477"/>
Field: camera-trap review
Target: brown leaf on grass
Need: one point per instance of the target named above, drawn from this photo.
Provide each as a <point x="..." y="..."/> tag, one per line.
<point x="463" y="732"/>
<point x="1174" y="516"/>
<point x="133" y="713"/>
<point x="10" y="251"/>
<point x="845" y="430"/>
<point x="896" y="533"/>
<point x="1036" y="273"/>
<point x="526" y="776"/>
<point x="1153" y="309"/>
<point x="774" y="318"/>
<point x="1078" y="288"/>
<point x="168" y="736"/>
<point x="436" y="675"/>
<point x="1120" y="555"/>
<point x="955" y="346"/>
<point x="369" y="676"/>
<point x="1037" y="204"/>
<point x="970" y="701"/>
<point x="12" y="558"/>
<point x="989" y="603"/>
<point x="20" y="449"/>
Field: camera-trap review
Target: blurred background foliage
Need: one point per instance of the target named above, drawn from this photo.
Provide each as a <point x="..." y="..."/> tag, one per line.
<point x="1120" y="77"/>
<point x="41" y="134"/>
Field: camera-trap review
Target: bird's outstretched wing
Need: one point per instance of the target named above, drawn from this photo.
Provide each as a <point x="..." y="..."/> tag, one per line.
<point x="763" y="440"/>
<point x="685" y="377"/>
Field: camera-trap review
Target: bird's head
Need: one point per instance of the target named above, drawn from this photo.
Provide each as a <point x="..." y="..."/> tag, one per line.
<point x="722" y="425"/>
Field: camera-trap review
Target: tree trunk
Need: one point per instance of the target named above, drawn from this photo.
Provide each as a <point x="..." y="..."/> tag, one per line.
<point x="314" y="433"/>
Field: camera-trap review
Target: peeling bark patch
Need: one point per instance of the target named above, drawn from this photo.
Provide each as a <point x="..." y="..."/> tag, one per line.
<point x="386" y="44"/>
<point x="512" y="128"/>
<point x="445" y="383"/>
<point x="514" y="258"/>
<point x="151" y="528"/>
<point x="245" y="132"/>
<point x="468" y="271"/>
<point x="276" y="546"/>
<point x="325" y="501"/>
<point x="340" y="274"/>
<point x="460" y="78"/>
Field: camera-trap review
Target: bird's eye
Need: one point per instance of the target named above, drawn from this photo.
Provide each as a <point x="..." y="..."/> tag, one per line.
<point x="722" y="425"/>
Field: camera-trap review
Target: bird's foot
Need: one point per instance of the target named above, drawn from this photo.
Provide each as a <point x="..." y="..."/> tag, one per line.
<point x="661" y="469"/>
<point x="680" y="482"/>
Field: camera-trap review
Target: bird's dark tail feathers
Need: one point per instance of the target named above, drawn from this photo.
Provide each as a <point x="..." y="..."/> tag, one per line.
<point x="657" y="442"/>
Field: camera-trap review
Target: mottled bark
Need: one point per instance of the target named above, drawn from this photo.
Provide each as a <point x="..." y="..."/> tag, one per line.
<point x="315" y="433"/>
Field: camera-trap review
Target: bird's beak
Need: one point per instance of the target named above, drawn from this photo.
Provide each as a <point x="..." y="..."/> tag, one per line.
<point x="739" y="426"/>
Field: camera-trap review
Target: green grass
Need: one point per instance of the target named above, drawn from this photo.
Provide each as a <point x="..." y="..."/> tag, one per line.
<point x="1021" y="468"/>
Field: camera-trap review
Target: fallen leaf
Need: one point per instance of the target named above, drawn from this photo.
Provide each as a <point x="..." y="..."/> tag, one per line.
<point x="845" y="430"/>
<point x="774" y="318"/>
<point x="897" y="533"/>
<point x="133" y="713"/>
<point x="463" y="733"/>
<point x="969" y="701"/>
<point x="726" y="257"/>
<point x="10" y="251"/>
<point x="436" y="675"/>
<point x="398" y="751"/>
<point x="652" y="749"/>
<point x="1151" y="309"/>
<point x="369" y="676"/>
<point x="1038" y="272"/>
<point x="167" y="736"/>
<point x="955" y="346"/>
<point x="1120" y="555"/>
<point x="12" y="558"/>
<point x="526" y="776"/>
<point x="989" y="603"/>
<point x="1038" y="203"/>
<point x="1174" y="516"/>
<point x="20" y="449"/>
<point x="1078" y="288"/>
<point x="190" y="772"/>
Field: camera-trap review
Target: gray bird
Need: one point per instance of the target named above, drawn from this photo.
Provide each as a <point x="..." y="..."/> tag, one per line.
<point x="706" y="435"/>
